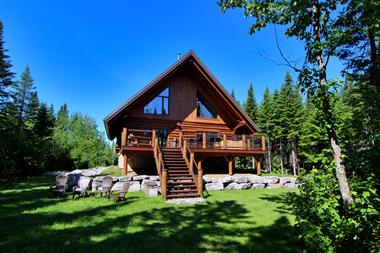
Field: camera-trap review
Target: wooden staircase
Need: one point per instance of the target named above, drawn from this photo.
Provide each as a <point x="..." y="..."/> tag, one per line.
<point x="180" y="183"/>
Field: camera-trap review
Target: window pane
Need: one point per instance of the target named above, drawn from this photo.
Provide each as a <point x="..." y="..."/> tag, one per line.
<point x="159" y="105"/>
<point x="203" y="111"/>
<point x="154" y="107"/>
<point x="165" y="93"/>
<point x="166" y="106"/>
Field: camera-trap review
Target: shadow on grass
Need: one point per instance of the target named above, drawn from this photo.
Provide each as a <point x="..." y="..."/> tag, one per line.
<point x="219" y="226"/>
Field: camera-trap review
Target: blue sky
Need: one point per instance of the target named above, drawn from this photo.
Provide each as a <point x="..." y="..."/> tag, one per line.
<point x="93" y="55"/>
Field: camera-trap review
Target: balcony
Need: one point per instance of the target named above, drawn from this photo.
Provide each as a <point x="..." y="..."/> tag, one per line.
<point x="201" y="142"/>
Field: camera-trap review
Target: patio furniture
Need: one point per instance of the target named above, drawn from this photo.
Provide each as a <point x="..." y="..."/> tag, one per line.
<point x="105" y="187"/>
<point x="121" y="194"/>
<point x="60" y="186"/>
<point x="82" y="187"/>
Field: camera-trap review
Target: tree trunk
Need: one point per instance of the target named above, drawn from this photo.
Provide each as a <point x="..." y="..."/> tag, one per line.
<point x="327" y="110"/>
<point x="269" y="157"/>
<point x="294" y="159"/>
<point x="281" y="158"/>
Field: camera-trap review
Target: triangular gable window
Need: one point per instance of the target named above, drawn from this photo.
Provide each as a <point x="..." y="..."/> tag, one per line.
<point x="203" y="111"/>
<point x="159" y="105"/>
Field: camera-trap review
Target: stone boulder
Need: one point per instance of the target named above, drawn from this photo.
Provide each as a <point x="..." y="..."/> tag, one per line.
<point x="291" y="185"/>
<point x="139" y="177"/>
<point x="258" y="186"/>
<point x="274" y="186"/>
<point x="217" y="186"/>
<point x="207" y="179"/>
<point x="244" y="186"/>
<point x="125" y="179"/>
<point x="134" y="187"/>
<point x="232" y="186"/>
<point x="257" y="179"/>
<point x="241" y="180"/>
<point x="237" y="186"/>
<point x="285" y="180"/>
<point x="272" y="180"/>
<point x="154" y="178"/>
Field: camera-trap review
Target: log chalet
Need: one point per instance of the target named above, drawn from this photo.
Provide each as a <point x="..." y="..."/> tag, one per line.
<point x="182" y="125"/>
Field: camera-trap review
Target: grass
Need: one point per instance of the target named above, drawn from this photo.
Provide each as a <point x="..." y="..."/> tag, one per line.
<point x="113" y="171"/>
<point x="229" y="221"/>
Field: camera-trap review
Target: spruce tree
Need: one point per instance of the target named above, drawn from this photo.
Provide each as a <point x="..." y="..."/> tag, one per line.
<point x="250" y="105"/>
<point x="265" y="123"/>
<point x="6" y="75"/>
<point x="23" y="95"/>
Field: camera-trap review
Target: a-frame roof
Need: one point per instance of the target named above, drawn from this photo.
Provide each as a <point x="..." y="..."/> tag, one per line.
<point x="214" y="83"/>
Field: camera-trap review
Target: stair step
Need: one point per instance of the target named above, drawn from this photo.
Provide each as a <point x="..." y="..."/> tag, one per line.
<point x="172" y="192"/>
<point x="182" y="187"/>
<point x="183" y="195"/>
<point x="181" y="183"/>
<point x="179" y="172"/>
<point x="179" y="177"/>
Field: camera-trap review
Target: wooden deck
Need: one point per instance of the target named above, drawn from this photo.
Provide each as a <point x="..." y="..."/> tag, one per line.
<point x="136" y="140"/>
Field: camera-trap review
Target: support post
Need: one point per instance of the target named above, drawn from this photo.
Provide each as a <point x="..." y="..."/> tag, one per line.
<point x="230" y="165"/>
<point x="200" y="177"/>
<point x="153" y="137"/>
<point x="263" y="142"/>
<point x="191" y="161"/>
<point x="225" y="141"/>
<point x="244" y="140"/>
<point x="258" y="166"/>
<point x="204" y="143"/>
<point x="180" y="139"/>
<point x="125" y="164"/>
<point x="184" y="149"/>
<point x="124" y="138"/>
<point x="164" y="177"/>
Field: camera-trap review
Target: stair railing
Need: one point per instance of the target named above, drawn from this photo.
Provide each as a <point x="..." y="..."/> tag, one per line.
<point x="161" y="170"/>
<point x="189" y="158"/>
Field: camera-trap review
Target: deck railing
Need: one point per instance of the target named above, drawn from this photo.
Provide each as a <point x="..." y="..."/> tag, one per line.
<point x="205" y="140"/>
<point x="195" y="171"/>
<point x="227" y="141"/>
<point x="161" y="170"/>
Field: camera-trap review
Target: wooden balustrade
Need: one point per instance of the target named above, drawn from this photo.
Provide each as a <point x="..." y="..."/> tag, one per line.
<point x="190" y="161"/>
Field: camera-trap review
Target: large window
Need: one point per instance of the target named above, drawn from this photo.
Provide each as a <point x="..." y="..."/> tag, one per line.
<point x="203" y="111"/>
<point x="159" y="105"/>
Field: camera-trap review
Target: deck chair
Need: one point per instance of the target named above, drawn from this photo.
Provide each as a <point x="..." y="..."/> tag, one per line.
<point x="105" y="187"/>
<point x="121" y="194"/>
<point x="60" y="185"/>
<point x="82" y="187"/>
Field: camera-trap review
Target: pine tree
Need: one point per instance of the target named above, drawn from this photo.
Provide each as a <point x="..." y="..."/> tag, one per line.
<point x="250" y="106"/>
<point x="265" y="123"/>
<point x="23" y="95"/>
<point x="6" y="75"/>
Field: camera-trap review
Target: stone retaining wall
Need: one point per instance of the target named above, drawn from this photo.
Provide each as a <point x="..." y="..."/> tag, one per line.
<point x="248" y="182"/>
<point x="212" y="183"/>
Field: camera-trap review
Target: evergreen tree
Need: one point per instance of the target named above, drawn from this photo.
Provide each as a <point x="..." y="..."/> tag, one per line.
<point x="6" y="75"/>
<point x="250" y="105"/>
<point x="265" y="123"/>
<point x="23" y="95"/>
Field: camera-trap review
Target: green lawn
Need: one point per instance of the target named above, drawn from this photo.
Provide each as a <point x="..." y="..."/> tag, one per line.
<point x="230" y="221"/>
